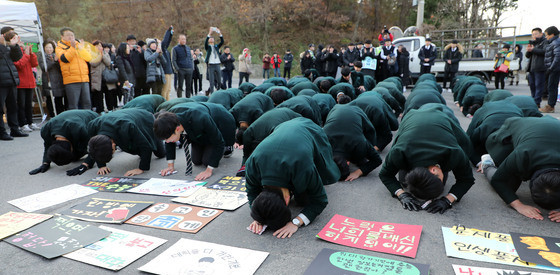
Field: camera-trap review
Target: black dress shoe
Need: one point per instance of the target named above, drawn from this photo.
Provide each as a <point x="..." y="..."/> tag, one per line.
<point x="5" y="136"/>
<point x="18" y="133"/>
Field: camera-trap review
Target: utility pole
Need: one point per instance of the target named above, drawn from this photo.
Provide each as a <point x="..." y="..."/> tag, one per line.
<point x="420" y="14"/>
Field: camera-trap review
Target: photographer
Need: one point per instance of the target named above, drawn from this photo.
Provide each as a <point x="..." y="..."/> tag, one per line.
<point x="384" y="35"/>
<point x="139" y="66"/>
<point x="154" y="71"/>
<point x="503" y="57"/>
<point x="536" y="68"/>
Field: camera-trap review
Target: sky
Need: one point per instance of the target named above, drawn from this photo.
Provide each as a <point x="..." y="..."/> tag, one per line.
<point x="533" y="13"/>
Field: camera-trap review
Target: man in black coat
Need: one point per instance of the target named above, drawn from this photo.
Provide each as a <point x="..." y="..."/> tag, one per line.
<point x="288" y="58"/>
<point x="536" y="68"/>
<point x="10" y="52"/>
<point x="427" y="56"/>
<point x="453" y="54"/>
<point x="139" y="66"/>
<point x="330" y="57"/>
<point x="227" y="60"/>
<point x="350" y="56"/>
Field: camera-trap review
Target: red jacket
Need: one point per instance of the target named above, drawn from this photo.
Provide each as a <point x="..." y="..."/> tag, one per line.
<point x="380" y="37"/>
<point x="25" y="70"/>
<point x="276" y="62"/>
<point x="266" y="62"/>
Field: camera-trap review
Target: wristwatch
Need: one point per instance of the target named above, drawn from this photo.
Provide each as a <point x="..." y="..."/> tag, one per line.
<point x="297" y="222"/>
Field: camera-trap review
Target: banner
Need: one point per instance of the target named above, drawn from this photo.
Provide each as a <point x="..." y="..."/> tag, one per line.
<point x="168" y="187"/>
<point x="537" y="249"/>
<point x="107" y="211"/>
<point x="14" y="222"/>
<point x="204" y="197"/>
<point x="472" y="270"/>
<point x="229" y="183"/>
<point x="113" y="184"/>
<point x="118" y="250"/>
<point x="175" y="217"/>
<point x="51" y="197"/>
<point x="391" y="238"/>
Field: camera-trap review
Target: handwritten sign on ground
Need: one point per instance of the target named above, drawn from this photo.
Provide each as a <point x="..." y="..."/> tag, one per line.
<point x="196" y="257"/>
<point x="485" y="246"/>
<point x="51" y="197"/>
<point x="168" y="187"/>
<point x="175" y="217"/>
<point x="332" y="262"/>
<point x="229" y="183"/>
<point x="14" y="222"/>
<point x="113" y="184"/>
<point x="57" y="236"/>
<point x="107" y="211"/>
<point x="392" y="238"/>
<point x="537" y="249"/>
<point x="204" y="197"/>
<point x="472" y="270"/>
<point x="118" y="250"/>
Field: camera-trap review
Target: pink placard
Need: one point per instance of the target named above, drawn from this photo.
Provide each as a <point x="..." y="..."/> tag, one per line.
<point x="391" y="238"/>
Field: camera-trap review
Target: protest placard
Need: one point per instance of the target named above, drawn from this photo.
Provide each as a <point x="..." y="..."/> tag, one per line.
<point x="107" y="211"/>
<point x="116" y="251"/>
<point x="57" y="236"/>
<point x="51" y="197"/>
<point x="537" y="249"/>
<point x="175" y="217"/>
<point x="229" y="183"/>
<point x="14" y="222"/>
<point x="392" y="238"/>
<point x="332" y="262"/>
<point x="197" y="257"/>
<point x="204" y="197"/>
<point x="113" y="184"/>
<point x="168" y="187"/>
<point x="485" y="246"/>
<point x="473" y="270"/>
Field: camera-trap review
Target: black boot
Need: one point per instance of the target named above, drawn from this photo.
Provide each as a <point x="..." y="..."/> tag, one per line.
<point x="5" y="136"/>
<point x="18" y="133"/>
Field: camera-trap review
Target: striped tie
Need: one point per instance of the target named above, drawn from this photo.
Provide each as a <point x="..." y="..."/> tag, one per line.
<point x="188" y="158"/>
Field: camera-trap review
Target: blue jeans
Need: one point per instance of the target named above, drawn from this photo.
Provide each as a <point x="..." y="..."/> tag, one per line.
<point x="553" y="79"/>
<point x="536" y="84"/>
<point x="227" y="76"/>
<point x="277" y="72"/>
<point x="266" y="72"/>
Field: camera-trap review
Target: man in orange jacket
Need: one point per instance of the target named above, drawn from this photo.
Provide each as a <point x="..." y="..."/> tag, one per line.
<point x="75" y="75"/>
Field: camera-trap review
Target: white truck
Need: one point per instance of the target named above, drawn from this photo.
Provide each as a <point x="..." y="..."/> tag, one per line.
<point x="480" y="67"/>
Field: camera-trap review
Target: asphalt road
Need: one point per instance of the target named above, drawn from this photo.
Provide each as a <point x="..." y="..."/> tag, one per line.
<point x="365" y="198"/>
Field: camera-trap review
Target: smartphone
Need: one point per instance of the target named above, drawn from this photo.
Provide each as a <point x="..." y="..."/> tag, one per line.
<point x="214" y="29"/>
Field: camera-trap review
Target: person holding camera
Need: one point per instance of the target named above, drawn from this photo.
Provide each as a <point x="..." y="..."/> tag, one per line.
<point x="536" y="68"/>
<point x="138" y="64"/>
<point x="154" y="71"/>
<point x="384" y="35"/>
<point x="213" y="58"/>
<point x="227" y="61"/>
<point x="503" y="57"/>
<point x="244" y="65"/>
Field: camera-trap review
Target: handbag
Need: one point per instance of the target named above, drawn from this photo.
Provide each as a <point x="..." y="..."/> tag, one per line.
<point x="249" y="71"/>
<point x="110" y="75"/>
<point x="503" y="68"/>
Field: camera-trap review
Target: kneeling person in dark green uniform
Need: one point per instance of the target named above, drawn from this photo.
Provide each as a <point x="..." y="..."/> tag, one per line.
<point x="295" y="159"/>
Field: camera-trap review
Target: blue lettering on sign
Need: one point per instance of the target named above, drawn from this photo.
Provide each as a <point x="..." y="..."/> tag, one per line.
<point x="165" y="221"/>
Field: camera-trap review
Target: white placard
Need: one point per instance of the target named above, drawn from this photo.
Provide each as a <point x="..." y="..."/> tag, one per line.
<point x="218" y="199"/>
<point x="51" y="197"/>
<point x="168" y="187"/>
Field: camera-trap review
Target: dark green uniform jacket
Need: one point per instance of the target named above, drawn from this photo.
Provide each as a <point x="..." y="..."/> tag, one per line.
<point x="394" y="91"/>
<point x="247" y="87"/>
<point x="251" y="107"/>
<point x="205" y="124"/>
<point x="526" y="104"/>
<point x="521" y="147"/>
<point x="369" y="82"/>
<point x="277" y="81"/>
<point x="296" y="80"/>
<point x="199" y="98"/>
<point x="226" y="98"/>
<point x="72" y="125"/>
<point x="380" y="116"/>
<point x="304" y="85"/>
<point x="263" y="127"/>
<point x="325" y="102"/>
<point x="288" y="93"/>
<point x="496" y="95"/>
<point x="487" y="120"/>
<point x="389" y="99"/>
<point x="474" y="95"/>
<point x="172" y="102"/>
<point x="262" y="88"/>
<point x="428" y="137"/>
<point x="305" y="106"/>
<point x="149" y="103"/>
<point x="420" y="97"/>
<point x="397" y="80"/>
<point x="297" y="156"/>
<point x="132" y="130"/>
<point x="461" y="87"/>
<point x="346" y="88"/>
<point x="352" y="135"/>
<point x="307" y="92"/>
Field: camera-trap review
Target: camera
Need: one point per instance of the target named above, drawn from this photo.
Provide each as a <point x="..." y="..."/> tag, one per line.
<point x="533" y="42"/>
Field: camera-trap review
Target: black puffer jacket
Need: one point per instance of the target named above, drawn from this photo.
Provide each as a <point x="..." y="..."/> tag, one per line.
<point x="536" y="62"/>
<point x="8" y="72"/>
<point x="552" y="55"/>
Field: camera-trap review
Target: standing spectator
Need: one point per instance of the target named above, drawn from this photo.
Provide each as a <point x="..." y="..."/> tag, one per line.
<point x="288" y="58"/>
<point x="244" y="65"/>
<point x="25" y="88"/>
<point x="350" y="56"/>
<point x="519" y="56"/>
<point x="427" y="56"/>
<point x="552" y="64"/>
<point x="184" y="66"/>
<point x="110" y="89"/>
<point x="138" y="64"/>
<point x="97" y="66"/>
<point x="388" y="60"/>
<point x="319" y="61"/>
<point x="330" y="58"/>
<point x="477" y="52"/>
<point x="198" y="69"/>
<point x="306" y="62"/>
<point x="167" y="67"/>
<point x="502" y="58"/>
<point x="384" y="35"/>
<point x="213" y="58"/>
<point x="73" y="57"/>
<point x="52" y="78"/>
<point x="404" y="71"/>
<point x="227" y="60"/>
<point x="359" y="46"/>
<point x="266" y="66"/>
<point x="155" y="76"/>
<point x="453" y="54"/>
<point x="369" y="59"/>
<point x="276" y="62"/>
<point x="126" y="71"/>
<point x="536" y="68"/>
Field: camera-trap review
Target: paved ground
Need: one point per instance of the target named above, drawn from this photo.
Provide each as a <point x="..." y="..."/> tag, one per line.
<point x="366" y="199"/>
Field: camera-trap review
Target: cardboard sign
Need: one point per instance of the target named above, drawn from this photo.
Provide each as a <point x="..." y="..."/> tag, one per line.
<point x="168" y="187"/>
<point x="229" y="183"/>
<point x="51" y="197"/>
<point x="14" y="222"/>
<point x="175" y="217"/>
<point x="332" y="262"/>
<point x="57" y="236"/>
<point x="107" y="211"/>
<point x="537" y="249"/>
<point x="113" y="184"/>
<point x="204" y="197"/>
<point x="196" y="257"/>
<point x="484" y="246"/>
<point x="472" y="270"/>
<point x="392" y="238"/>
<point x="118" y="250"/>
